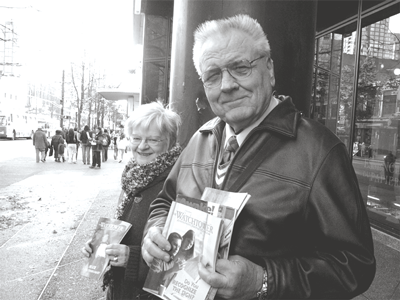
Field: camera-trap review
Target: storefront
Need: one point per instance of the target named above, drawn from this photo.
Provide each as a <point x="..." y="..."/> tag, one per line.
<point x="355" y="94"/>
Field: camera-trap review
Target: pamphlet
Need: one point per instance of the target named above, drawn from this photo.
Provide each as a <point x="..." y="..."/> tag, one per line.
<point x="108" y="231"/>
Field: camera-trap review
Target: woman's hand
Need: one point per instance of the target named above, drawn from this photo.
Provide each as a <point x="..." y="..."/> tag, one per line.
<point x="87" y="249"/>
<point x="118" y="254"/>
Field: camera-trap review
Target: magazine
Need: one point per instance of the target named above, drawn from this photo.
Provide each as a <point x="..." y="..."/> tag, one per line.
<point x="228" y="215"/>
<point x="108" y="231"/>
<point x="179" y="278"/>
<point x="234" y="200"/>
<point x="195" y="236"/>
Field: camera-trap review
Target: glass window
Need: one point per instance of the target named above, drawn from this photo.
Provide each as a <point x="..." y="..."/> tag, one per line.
<point x="334" y="82"/>
<point x="377" y="125"/>
<point x="154" y="82"/>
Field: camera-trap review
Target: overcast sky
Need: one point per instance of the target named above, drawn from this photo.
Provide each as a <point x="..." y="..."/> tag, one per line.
<point x="53" y="33"/>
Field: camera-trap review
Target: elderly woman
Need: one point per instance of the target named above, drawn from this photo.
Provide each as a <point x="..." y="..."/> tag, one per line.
<point x="153" y="135"/>
<point x="56" y="141"/>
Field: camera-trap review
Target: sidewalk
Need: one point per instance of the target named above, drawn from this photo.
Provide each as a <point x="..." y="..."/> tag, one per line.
<point x="67" y="283"/>
<point x="100" y="189"/>
<point x="59" y="206"/>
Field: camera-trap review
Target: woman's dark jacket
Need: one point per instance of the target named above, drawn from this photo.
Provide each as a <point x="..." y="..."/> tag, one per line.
<point x="56" y="140"/>
<point x="128" y="282"/>
<point x="99" y="142"/>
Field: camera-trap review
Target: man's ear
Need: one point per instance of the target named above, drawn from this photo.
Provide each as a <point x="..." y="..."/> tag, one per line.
<point x="270" y="66"/>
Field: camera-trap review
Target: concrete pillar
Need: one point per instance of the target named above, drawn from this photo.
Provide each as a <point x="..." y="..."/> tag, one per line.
<point x="290" y="28"/>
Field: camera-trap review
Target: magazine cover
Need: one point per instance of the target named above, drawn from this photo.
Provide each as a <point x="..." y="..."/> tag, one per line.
<point x="108" y="231"/>
<point x="194" y="236"/>
<point x="226" y="213"/>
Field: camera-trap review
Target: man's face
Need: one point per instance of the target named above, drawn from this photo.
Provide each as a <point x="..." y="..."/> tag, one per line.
<point x="238" y="102"/>
<point x="175" y="246"/>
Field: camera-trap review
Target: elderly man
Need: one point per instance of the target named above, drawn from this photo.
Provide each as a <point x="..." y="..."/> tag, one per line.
<point x="304" y="233"/>
<point x="41" y="143"/>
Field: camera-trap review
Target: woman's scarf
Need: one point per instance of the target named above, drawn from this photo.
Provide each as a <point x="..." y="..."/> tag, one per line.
<point x="135" y="177"/>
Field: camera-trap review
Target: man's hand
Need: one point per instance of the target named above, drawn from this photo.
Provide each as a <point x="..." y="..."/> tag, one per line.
<point x="235" y="278"/>
<point x="155" y="245"/>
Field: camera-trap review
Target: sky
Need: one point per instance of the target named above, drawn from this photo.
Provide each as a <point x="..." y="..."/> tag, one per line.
<point x="54" y="33"/>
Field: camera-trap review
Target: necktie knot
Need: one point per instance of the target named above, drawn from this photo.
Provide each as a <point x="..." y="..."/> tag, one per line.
<point x="232" y="144"/>
<point x="229" y="150"/>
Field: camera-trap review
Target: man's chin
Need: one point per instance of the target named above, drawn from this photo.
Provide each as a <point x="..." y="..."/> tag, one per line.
<point x="240" y="117"/>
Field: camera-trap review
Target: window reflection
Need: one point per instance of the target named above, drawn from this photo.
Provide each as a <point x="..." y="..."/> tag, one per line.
<point x="376" y="146"/>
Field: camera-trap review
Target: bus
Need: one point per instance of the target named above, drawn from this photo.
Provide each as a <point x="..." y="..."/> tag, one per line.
<point x="17" y="125"/>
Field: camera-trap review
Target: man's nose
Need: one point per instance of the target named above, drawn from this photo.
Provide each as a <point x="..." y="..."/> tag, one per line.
<point x="228" y="83"/>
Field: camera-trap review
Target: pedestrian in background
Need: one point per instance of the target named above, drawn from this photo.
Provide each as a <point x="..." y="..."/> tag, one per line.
<point x="85" y="143"/>
<point x="115" y="140"/>
<point x="121" y="145"/>
<point x="112" y="134"/>
<point x="107" y="137"/>
<point x="78" y="141"/>
<point x="71" y="146"/>
<point x="56" y="141"/>
<point x="97" y="147"/>
<point x="40" y="142"/>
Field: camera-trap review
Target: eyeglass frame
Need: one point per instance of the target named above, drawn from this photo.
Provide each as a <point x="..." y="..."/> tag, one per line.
<point x="149" y="141"/>
<point x="227" y="69"/>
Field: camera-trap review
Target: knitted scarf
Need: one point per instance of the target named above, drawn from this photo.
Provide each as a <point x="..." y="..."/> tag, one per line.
<point x="135" y="177"/>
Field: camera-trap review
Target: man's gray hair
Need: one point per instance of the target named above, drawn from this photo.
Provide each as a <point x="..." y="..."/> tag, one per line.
<point x="242" y="23"/>
<point x="165" y="120"/>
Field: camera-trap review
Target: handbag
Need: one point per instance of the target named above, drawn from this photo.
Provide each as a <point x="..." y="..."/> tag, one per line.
<point x="51" y="151"/>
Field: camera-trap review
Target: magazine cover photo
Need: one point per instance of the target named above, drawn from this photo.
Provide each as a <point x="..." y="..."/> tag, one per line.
<point x="178" y="278"/>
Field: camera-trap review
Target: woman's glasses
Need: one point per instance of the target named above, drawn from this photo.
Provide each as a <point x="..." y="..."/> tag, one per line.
<point x="136" y="140"/>
<point x="238" y="70"/>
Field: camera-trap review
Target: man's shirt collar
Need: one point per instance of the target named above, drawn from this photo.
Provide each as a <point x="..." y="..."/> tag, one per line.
<point x="243" y="134"/>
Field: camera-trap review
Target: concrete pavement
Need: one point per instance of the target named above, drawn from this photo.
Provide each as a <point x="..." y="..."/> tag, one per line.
<point x="58" y="209"/>
<point x="57" y="206"/>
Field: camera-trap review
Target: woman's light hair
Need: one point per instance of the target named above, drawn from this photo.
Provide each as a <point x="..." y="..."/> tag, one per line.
<point x="242" y="23"/>
<point x="166" y="121"/>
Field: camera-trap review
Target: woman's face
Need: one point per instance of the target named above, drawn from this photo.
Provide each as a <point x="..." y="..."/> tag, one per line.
<point x="187" y="243"/>
<point x="147" y="144"/>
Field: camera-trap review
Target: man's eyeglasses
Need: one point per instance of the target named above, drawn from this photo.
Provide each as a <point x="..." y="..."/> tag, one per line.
<point x="136" y="140"/>
<point x="238" y="70"/>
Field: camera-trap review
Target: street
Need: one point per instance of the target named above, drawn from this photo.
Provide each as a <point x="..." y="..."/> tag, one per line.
<point x="48" y="210"/>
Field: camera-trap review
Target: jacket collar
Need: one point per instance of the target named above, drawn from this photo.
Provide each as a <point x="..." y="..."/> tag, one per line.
<point x="283" y="119"/>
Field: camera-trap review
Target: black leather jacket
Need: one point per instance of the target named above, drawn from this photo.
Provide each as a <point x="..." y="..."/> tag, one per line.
<point x="305" y="222"/>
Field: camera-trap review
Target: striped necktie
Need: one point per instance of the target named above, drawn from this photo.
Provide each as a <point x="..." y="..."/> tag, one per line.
<point x="229" y="150"/>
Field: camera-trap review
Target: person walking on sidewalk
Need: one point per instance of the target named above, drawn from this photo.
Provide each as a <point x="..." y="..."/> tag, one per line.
<point x="56" y="141"/>
<point x="97" y="147"/>
<point x="71" y="146"/>
<point x="153" y="131"/>
<point x="40" y="142"/>
<point x="78" y="141"/>
<point x="107" y="137"/>
<point x="121" y="145"/>
<point x="85" y="143"/>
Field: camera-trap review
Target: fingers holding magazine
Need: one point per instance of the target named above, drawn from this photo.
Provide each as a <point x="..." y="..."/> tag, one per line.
<point x="236" y="278"/>
<point x="118" y="254"/>
<point x="153" y="244"/>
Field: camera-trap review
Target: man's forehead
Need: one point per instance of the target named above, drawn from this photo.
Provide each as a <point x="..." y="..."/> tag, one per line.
<point x="219" y="50"/>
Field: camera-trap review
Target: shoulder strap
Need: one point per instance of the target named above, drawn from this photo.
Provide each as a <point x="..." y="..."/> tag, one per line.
<point x="269" y="146"/>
